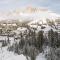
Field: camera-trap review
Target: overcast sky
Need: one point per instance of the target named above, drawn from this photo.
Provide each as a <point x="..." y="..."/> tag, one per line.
<point x="6" y="5"/>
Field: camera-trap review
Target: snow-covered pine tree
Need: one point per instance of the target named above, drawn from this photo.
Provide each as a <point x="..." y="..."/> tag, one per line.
<point x="51" y="38"/>
<point x="40" y="40"/>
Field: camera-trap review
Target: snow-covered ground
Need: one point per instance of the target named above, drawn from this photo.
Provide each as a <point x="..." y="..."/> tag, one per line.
<point x="6" y="55"/>
<point x="37" y="18"/>
<point x="41" y="56"/>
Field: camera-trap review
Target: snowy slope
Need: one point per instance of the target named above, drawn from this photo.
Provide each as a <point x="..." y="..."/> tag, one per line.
<point x="6" y="55"/>
<point x="43" y="16"/>
<point x="41" y="57"/>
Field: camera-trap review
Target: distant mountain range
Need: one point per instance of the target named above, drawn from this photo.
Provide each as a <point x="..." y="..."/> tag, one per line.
<point x="30" y="13"/>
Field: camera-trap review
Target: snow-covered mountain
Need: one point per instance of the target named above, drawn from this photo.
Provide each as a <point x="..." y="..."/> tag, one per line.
<point x="29" y="13"/>
<point x="33" y="15"/>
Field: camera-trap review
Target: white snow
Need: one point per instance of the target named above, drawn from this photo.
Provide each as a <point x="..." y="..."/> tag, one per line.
<point x="41" y="56"/>
<point x="19" y="57"/>
<point x="6" y="55"/>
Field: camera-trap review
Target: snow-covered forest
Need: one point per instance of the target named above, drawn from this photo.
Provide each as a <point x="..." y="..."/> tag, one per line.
<point x="30" y="43"/>
<point x="31" y="36"/>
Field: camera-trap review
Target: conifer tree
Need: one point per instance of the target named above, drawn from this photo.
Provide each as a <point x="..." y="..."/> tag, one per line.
<point x="40" y="40"/>
<point x="51" y="37"/>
